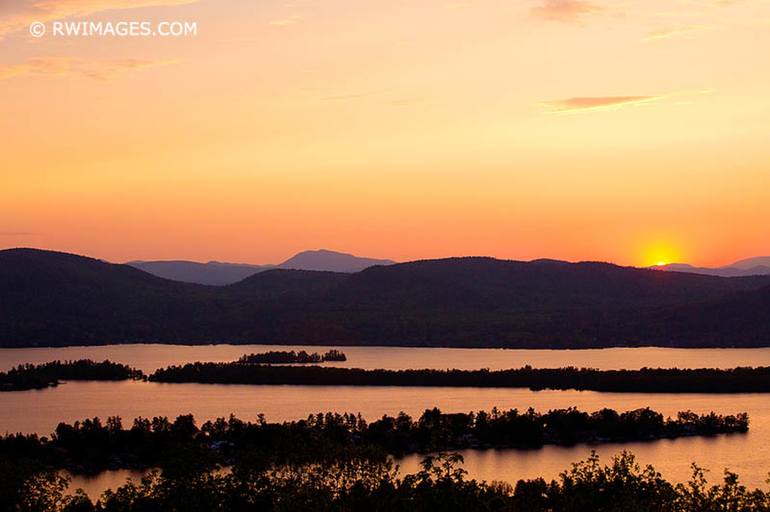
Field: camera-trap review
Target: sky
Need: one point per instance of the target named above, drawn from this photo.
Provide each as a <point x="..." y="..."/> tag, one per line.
<point x="631" y="131"/>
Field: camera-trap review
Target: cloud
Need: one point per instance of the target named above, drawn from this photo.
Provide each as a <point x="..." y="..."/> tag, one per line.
<point x="340" y="97"/>
<point x="383" y="96"/>
<point x="353" y="95"/>
<point x="671" y="33"/>
<point x="284" y="22"/>
<point x="597" y="102"/>
<point x="400" y="102"/>
<point x="459" y="4"/>
<point x="73" y="66"/>
<point x="23" y="12"/>
<point x="564" y="10"/>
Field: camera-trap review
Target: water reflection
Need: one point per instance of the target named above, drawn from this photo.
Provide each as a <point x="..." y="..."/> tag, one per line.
<point x="749" y="455"/>
<point x="150" y="357"/>
<point x="672" y="458"/>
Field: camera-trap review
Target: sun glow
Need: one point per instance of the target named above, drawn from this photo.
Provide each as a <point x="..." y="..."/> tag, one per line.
<point x="660" y="253"/>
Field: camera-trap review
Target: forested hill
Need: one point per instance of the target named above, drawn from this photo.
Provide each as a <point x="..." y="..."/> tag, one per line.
<point x="49" y="298"/>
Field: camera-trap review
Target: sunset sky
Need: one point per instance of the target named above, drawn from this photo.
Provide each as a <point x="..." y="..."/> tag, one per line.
<point x="628" y="131"/>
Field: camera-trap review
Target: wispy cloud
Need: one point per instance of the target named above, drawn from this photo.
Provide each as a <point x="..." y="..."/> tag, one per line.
<point x="382" y="97"/>
<point x="597" y="103"/>
<point x="19" y="15"/>
<point x="458" y="4"/>
<point x="352" y="96"/>
<point x="671" y="33"/>
<point x="73" y="66"/>
<point x="342" y="97"/>
<point x="401" y="102"/>
<point x="284" y="22"/>
<point x="564" y="10"/>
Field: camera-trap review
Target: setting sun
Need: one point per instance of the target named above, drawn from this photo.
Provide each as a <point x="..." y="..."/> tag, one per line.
<point x="660" y="253"/>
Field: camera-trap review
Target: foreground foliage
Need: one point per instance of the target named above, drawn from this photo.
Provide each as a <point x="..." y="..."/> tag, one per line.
<point x="353" y="480"/>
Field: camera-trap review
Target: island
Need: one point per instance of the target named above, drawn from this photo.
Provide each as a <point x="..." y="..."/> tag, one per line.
<point x="645" y="380"/>
<point x="32" y="376"/>
<point x="292" y="357"/>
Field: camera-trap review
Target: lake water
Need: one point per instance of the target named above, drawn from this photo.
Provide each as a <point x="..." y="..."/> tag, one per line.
<point x="749" y="454"/>
<point x="150" y="357"/>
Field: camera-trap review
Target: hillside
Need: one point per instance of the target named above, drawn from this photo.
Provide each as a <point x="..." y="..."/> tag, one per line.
<point x="741" y="319"/>
<point x="51" y="298"/>
<point x="54" y="298"/>
<point x="488" y="302"/>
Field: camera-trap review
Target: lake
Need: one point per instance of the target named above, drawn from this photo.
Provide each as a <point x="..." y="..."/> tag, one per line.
<point x="151" y="356"/>
<point x="749" y="454"/>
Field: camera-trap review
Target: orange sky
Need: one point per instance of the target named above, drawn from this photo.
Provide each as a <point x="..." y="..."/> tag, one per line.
<point x="630" y="131"/>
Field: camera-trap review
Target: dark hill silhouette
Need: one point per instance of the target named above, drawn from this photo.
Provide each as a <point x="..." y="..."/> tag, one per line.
<point x="55" y="298"/>
<point x="489" y="282"/>
<point x="220" y="274"/>
<point x="488" y="302"/>
<point x="742" y="317"/>
<point x="279" y="283"/>
<point x="58" y="298"/>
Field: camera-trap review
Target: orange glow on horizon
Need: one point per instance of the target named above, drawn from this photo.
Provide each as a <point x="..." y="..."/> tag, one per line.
<point x="404" y="130"/>
<point x="659" y="253"/>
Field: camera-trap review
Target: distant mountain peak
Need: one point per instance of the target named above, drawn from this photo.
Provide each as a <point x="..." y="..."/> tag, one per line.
<point x="750" y="263"/>
<point x="333" y="261"/>
<point x="52" y="298"/>
<point x="220" y="273"/>
<point x="748" y="267"/>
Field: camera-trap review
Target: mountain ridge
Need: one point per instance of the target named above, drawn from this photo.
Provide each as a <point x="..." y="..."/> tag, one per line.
<point x="745" y="267"/>
<point x="217" y="273"/>
<point x="49" y="298"/>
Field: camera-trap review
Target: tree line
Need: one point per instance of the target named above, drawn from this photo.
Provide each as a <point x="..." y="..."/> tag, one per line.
<point x="32" y="376"/>
<point x="292" y="357"/>
<point x="645" y="380"/>
<point x="265" y="369"/>
<point x="93" y="445"/>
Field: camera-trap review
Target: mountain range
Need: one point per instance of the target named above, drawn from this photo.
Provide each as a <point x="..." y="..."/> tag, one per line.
<point x="49" y="298"/>
<point x="219" y="274"/>
<point x="748" y="267"/>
